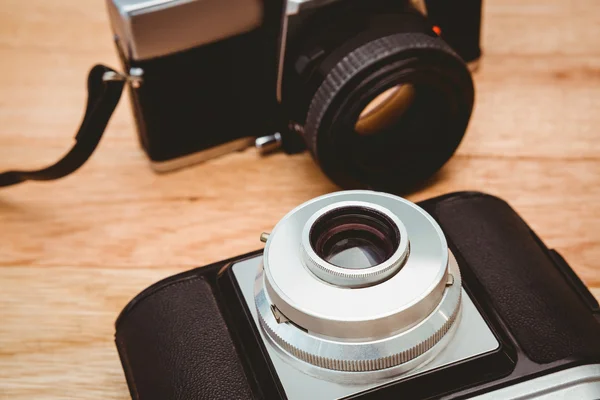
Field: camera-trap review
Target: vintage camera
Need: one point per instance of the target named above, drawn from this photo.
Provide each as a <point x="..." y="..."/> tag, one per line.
<point x="377" y="90"/>
<point x="361" y="294"/>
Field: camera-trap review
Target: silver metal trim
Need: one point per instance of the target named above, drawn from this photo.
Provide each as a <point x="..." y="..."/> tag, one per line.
<point x="582" y="383"/>
<point x="264" y="237"/>
<point x="281" y="65"/>
<point x="268" y="144"/>
<point x="201" y="156"/>
<point x="349" y="313"/>
<point x="135" y="77"/>
<point x="153" y="28"/>
<point x="294" y="7"/>
<point x="335" y="327"/>
<point x="113" y="76"/>
<point x="368" y="355"/>
<point x="353" y="278"/>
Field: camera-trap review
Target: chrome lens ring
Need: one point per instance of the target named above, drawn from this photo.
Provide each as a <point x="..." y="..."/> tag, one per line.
<point x="395" y="354"/>
<point x="366" y="322"/>
<point x="400" y="301"/>
<point x="354" y="278"/>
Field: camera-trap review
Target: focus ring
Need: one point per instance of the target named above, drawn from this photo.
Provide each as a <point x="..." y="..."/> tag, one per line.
<point x="360" y="277"/>
<point x="357" y="61"/>
<point x="356" y="356"/>
<point x="362" y="365"/>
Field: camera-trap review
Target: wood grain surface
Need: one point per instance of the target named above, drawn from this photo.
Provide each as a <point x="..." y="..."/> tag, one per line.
<point x="73" y="252"/>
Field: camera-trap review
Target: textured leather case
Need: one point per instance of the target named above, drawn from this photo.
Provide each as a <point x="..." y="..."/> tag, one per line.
<point x="175" y="345"/>
<point x="181" y="338"/>
<point x="519" y="275"/>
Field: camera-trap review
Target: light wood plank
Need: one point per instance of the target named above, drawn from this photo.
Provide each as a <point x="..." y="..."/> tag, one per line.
<point x="73" y="252"/>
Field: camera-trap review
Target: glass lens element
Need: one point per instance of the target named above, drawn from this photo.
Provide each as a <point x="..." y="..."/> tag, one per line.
<point x="355" y="253"/>
<point x="385" y="110"/>
<point x="354" y="238"/>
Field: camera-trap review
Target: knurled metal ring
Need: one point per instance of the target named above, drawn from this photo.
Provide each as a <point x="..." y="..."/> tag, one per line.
<point x="354" y="277"/>
<point x="368" y="355"/>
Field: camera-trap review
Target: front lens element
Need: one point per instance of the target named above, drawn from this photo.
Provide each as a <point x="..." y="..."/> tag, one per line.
<point x="354" y="238"/>
<point x="385" y="110"/>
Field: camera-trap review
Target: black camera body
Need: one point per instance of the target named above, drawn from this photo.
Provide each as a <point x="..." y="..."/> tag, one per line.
<point x="213" y="76"/>
<point x="196" y="335"/>
<point x="209" y="74"/>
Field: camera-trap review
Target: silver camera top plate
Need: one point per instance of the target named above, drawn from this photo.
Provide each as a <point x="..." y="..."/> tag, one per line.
<point x="153" y="28"/>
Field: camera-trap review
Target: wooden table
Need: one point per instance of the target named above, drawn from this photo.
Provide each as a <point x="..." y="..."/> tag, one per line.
<point x="73" y="252"/>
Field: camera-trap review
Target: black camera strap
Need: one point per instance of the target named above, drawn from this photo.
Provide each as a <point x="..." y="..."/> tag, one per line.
<point x="105" y="87"/>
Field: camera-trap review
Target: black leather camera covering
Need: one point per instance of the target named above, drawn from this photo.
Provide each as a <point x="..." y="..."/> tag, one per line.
<point x="548" y="318"/>
<point x="174" y="341"/>
<point x="152" y="341"/>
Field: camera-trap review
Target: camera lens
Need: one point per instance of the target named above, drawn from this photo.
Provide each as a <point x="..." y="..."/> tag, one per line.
<point x="354" y="237"/>
<point x="383" y="101"/>
<point x="358" y="282"/>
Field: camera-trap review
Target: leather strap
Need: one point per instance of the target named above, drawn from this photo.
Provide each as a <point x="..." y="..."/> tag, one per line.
<point x="105" y="87"/>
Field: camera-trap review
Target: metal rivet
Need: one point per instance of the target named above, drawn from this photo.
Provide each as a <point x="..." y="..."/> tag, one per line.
<point x="264" y="237"/>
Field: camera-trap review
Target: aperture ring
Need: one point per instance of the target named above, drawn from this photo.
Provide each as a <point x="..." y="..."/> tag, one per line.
<point x="356" y="62"/>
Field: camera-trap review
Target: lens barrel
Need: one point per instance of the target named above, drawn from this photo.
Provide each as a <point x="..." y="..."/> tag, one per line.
<point x="384" y="102"/>
<point x="380" y="319"/>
